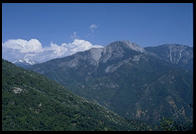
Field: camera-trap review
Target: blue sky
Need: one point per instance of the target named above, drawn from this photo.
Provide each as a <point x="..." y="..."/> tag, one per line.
<point x="145" y="24"/>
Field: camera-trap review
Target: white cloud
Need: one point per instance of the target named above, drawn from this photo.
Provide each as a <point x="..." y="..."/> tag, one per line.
<point x="93" y="27"/>
<point x="14" y="50"/>
<point x="24" y="46"/>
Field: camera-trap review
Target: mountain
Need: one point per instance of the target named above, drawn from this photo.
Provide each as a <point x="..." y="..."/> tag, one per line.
<point x="25" y="63"/>
<point x="137" y="83"/>
<point x="32" y="102"/>
<point x="180" y="55"/>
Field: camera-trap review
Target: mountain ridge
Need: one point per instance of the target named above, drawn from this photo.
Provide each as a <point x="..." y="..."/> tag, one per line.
<point x="120" y="79"/>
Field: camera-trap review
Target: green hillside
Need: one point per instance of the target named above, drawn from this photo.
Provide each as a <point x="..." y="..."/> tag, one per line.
<point x="33" y="102"/>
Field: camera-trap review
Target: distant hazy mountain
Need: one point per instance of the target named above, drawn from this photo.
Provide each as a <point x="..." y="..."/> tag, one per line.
<point x="25" y="63"/>
<point x="32" y="102"/>
<point x="140" y="84"/>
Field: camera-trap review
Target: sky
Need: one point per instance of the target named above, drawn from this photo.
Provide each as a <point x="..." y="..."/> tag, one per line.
<point x="50" y="25"/>
<point x="145" y="24"/>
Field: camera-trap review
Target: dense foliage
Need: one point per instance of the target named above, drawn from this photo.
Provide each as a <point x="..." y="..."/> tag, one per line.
<point x="33" y="102"/>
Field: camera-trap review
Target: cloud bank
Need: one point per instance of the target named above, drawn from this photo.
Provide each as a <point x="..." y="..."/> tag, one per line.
<point x="32" y="50"/>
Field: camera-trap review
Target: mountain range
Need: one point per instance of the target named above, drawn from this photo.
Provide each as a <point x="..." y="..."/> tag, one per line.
<point x="144" y="84"/>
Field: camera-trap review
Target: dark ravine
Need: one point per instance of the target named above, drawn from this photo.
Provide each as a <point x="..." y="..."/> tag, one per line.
<point x="146" y="84"/>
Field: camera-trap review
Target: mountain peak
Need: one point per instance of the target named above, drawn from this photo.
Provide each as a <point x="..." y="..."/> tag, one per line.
<point x="25" y="61"/>
<point x="128" y="44"/>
